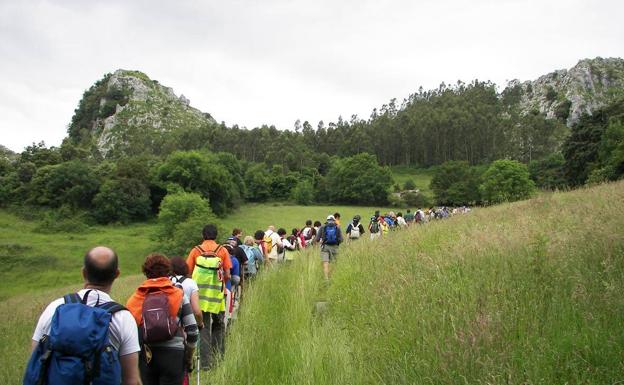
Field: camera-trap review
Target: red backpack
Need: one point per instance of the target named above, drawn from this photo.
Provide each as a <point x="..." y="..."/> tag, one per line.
<point x="157" y="324"/>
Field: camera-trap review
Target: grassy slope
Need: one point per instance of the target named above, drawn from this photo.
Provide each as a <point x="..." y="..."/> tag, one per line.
<point x="33" y="261"/>
<point x="528" y="292"/>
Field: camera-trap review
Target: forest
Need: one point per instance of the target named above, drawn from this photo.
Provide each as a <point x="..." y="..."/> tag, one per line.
<point x="481" y="146"/>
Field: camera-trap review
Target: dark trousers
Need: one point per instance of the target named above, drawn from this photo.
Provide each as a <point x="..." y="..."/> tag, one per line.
<point x="211" y="339"/>
<point x="165" y="368"/>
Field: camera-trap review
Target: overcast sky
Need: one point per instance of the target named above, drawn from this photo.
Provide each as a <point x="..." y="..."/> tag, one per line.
<point x="275" y="61"/>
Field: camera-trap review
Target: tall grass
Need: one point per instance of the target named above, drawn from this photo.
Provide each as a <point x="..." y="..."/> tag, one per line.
<point x="522" y="293"/>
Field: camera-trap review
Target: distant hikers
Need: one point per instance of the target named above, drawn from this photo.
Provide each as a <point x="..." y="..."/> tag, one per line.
<point x="210" y="264"/>
<point x="329" y="237"/>
<point x="168" y="328"/>
<point x="68" y="340"/>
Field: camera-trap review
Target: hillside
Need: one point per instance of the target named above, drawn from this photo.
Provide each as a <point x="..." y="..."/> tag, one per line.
<point x="522" y="293"/>
<point x="567" y="94"/>
<point x="128" y="113"/>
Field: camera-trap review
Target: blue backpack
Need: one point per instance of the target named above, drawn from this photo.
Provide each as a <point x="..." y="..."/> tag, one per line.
<point x="330" y="237"/>
<point x="77" y="350"/>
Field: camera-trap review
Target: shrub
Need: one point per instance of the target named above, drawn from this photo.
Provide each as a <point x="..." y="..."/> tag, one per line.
<point x="416" y="200"/>
<point x="62" y="220"/>
<point x="122" y="200"/>
<point x="455" y="183"/>
<point x="548" y="173"/>
<point x="303" y="193"/>
<point x="506" y="181"/>
<point x="178" y="213"/>
<point x="409" y="185"/>
<point x="201" y="173"/>
<point x="358" y="180"/>
<point x="71" y="183"/>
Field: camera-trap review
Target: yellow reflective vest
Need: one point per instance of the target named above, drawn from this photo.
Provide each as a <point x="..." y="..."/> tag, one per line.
<point x="208" y="277"/>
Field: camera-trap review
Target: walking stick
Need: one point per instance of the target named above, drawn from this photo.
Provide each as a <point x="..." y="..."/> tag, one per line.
<point x="198" y="367"/>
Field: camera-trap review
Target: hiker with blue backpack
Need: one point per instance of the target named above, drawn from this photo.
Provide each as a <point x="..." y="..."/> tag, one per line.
<point x="329" y="237"/>
<point x="86" y="337"/>
<point x="168" y="330"/>
<point x="254" y="256"/>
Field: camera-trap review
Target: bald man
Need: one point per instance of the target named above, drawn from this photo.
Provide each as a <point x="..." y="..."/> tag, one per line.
<point x="101" y="268"/>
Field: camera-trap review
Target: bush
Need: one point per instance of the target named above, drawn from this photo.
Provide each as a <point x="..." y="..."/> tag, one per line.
<point x="178" y="213"/>
<point x="303" y="193"/>
<point x="548" y="173"/>
<point x="62" y="220"/>
<point x="71" y="183"/>
<point x="506" y="181"/>
<point x="122" y="200"/>
<point x="409" y="185"/>
<point x="200" y="173"/>
<point x="416" y="200"/>
<point x="358" y="180"/>
<point x="258" y="183"/>
<point x="455" y="183"/>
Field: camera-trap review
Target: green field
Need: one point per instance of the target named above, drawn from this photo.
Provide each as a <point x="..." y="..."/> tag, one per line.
<point x="34" y="261"/>
<point x="521" y="293"/>
<point x="420" y="176"/>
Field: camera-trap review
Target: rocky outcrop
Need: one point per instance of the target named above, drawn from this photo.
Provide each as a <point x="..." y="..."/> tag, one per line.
<point x="567" y="94"/>
<point x="144" y="108"/>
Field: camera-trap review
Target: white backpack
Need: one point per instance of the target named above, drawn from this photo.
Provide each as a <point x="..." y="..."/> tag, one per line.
<point x="355" y="232"/>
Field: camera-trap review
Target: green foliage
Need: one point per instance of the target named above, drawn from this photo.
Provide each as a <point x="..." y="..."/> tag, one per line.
<point x="122" y="200"/>
<point x="595" y="143"/>
<point x="39" y="155"/>
<point x="409" y="185"/>
<point x="62" y="220"/>
<point x="303" y="193"/>
<point x="258" y="183"/>
<point x="416" y="200"/>
<point x="455" y="183"/>
<point x="551" y="94"/>
<point x="548" y="173"/>
<point x="506" y="181"/>
<point x="358" y="180"/>
<point x="201" y="173"/>
<point x="179" y="214"/>
<point x="71" y="183"/>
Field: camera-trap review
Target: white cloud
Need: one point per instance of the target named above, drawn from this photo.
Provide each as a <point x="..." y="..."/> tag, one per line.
<point x="275" y="61"/>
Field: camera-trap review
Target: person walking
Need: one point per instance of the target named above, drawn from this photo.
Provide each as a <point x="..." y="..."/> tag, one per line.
<point x="209" y="265"/>
<point x="254" y="256"/>
<point x="179" y="277"/>
<point x="116" y="327"/>
<point x="272" y="243"/>
<point x="374" y="226"/>
<point x="159" y="309"/>
<point x="355" y="229"/>
<point x="329" y="237"/>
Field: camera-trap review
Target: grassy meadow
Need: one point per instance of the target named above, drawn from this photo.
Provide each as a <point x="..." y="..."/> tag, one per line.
<point x="35" y="261"/>
<point x="521" y="293"/>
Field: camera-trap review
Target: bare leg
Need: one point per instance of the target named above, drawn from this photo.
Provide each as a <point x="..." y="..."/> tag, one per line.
<point x="326" y="269"/>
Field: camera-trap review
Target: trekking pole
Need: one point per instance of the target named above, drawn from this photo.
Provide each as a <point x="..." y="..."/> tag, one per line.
<point x="198" y="367"/>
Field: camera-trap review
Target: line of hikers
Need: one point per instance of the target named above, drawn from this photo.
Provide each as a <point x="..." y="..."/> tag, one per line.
<point x="184" y="304"/>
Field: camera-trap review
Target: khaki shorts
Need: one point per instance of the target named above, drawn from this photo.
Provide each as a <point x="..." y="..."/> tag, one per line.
<point x="329" y="253"/>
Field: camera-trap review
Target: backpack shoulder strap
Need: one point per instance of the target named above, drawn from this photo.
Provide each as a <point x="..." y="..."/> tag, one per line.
<point x="72" y="298"/>
<point x="112" y="307"/>
<point x="200" y="249"/>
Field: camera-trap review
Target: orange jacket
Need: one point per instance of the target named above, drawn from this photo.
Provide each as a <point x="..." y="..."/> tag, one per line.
<point x="162" y="284"/>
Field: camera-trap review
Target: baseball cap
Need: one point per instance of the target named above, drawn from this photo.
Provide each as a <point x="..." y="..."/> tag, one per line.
<point x="331" y="218"/>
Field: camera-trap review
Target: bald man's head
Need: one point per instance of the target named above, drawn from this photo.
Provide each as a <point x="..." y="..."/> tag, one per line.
<point x="101" y="266"/>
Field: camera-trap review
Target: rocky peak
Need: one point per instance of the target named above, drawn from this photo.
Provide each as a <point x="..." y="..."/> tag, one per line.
<point x="567" y="94"/>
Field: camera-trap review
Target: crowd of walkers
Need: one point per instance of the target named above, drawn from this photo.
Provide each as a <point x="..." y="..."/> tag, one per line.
<point x="184" y="305"/>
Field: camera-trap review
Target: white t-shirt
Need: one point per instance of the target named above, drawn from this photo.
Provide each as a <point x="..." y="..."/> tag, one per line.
<point x="188" y="285"/>
<point x="275" y="240"/>
<point x="124" y="334"/>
